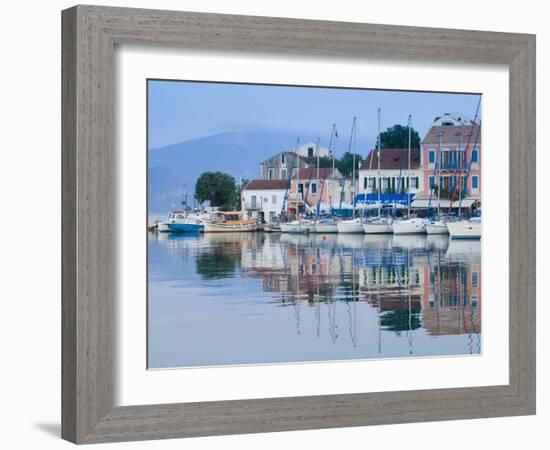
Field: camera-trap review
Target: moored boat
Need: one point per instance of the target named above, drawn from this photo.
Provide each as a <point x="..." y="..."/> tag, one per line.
<point x="173" y="217"/>
<point x="297" y="226"/>
<point x="437" y="227"/>
<point x="378" y="225"/>
<point x="230" y="221"/>
<point x="409" y="226"/>
<point x="465" y="229"/>
<point x="350" y="226"/>
<point x="325" y="226"/>
<point x="189" y="226"/>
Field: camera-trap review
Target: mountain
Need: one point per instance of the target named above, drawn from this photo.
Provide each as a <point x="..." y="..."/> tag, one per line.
<point x="173" y="169"/>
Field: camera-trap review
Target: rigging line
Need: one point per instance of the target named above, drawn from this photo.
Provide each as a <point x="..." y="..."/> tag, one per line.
<point x="466" y="152"/>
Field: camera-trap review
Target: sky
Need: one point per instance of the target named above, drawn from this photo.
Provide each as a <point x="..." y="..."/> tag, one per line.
<point x="181" y="110"/>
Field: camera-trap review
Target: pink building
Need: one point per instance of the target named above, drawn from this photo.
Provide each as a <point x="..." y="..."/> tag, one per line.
<point x="314" y="185"/>
<point x="454" y="143"/>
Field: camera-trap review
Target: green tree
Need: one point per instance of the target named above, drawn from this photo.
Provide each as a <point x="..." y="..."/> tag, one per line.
<point x="398" y="137"/>
<point x="216" y="187"/>
<point x="345" y="165"/>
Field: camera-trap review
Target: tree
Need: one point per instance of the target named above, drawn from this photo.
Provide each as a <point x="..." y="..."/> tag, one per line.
<point x="216" y="187"/>
<point x="345" y="165"/>
<point x="398" y="137"/>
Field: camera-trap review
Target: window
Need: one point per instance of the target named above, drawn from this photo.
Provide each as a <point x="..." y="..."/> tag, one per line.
<point x="310" y="151"/>
<point x="365" y="182"/>
<point x="270" y="173"/>
<point x="474" y="279"/>
<point x="283" y="174"/>
<point x="432" y="183"/>
<point x="314" y="188"/>
<point x="474" y="156"/>
<point x="415" y="182"/>
<point x="253" y="201"/>
<point x="283" y="158"/>
<point x="431" y="156"/>
<point x="274" y="199"/>
<point x="474" y="182"/>
<point x="300" y="188"/>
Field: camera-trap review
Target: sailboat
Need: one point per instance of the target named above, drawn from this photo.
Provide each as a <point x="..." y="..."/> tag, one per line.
<point x="465" y="229"/>
<point x="438" y="226"/>
<point x="353" y="225"/>
<point x="327" y="225"/>
<point x="378" y="224"/>
<point x="297" y="225"/>
<point x="410" y="225"/>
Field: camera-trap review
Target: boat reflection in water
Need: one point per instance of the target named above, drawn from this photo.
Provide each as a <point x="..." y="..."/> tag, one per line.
<point x="250" y="298"/>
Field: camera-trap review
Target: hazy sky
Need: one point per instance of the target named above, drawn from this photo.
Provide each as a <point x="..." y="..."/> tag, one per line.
<point x="180" y="111"/>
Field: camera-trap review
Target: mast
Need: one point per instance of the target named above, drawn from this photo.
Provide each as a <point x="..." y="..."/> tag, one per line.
<point x="460" y="180"/>
<point x="378" y="157"/>
<point x="335" y="135"/>
<point x="438" y="169"/>
<point x="353" y="168"/>
<point x="409" y="172"/>
<point x="297" y="176"/>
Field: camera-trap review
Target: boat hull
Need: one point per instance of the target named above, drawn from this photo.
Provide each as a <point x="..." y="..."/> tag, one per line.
<point x="377" y="228"/>
<point x="432" y="228"/>
<point x="325" y="228"/>
<point x="409" y="227"/>
<point x="229" y="228"/>
<point x="185" y="227"/>
<point x="350" y="227"/>
<point x="295" y="228"/>
<point x="464" y="230"/>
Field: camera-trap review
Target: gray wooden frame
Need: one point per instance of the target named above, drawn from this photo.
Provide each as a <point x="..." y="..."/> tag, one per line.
<point x="89" y="37"/>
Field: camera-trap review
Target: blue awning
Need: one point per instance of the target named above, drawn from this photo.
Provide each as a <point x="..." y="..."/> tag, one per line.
<point x="388" y="200"/>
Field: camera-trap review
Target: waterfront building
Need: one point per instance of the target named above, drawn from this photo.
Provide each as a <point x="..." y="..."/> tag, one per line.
<point x="457" y="136"/>
<point x="321" y="186"/>
<point x="282" y="165"/>
<point x="264" y="199"/>
<point x="394" y="172"/>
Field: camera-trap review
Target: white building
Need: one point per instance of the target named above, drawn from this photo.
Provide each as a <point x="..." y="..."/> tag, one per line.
<point x="394" y="172"/>
<point x="264" y="199"/>
<point x="310" y="150"/>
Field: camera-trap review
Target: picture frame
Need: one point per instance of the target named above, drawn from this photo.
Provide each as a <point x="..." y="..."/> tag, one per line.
<point x="90" y="34"/>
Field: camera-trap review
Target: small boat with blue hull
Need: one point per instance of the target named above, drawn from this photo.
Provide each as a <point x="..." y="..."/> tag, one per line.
<point x="192" y="226"/>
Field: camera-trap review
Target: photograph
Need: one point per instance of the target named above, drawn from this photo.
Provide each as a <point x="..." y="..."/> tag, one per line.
<point x="292" y="224"/>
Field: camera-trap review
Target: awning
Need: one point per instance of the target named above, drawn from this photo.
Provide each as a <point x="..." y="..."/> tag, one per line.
<point x="423" y="203"/>
<point x="370" y="201"/>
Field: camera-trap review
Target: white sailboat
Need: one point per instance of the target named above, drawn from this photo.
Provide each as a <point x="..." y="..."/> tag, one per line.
<point x="437" y="226"/>
<point x="378" y="224"/>
<point x="297" y="226"/>
<point x="350" y="226"/>
<point x="353" y="225"/>
<point x="325" y="226"/>
<point x="409" y="225"/>
<point x="465" y="229"/>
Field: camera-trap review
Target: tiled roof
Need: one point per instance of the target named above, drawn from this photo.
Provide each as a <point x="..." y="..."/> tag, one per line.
<point x="267" y="184"/>
<point x="392" y="159"/>
<point x="311" y="173"/>
<point x="450" y="135"/>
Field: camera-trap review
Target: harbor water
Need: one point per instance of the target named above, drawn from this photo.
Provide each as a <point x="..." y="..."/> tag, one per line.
<point x="260" y="298"/>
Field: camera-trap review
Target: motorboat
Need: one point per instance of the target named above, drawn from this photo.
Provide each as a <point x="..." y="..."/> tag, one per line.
<point x="350" y="226"/>
<point x="173" y="217"/>
<point x="409" y="226"/>
<point x="230" y="221"/>
<point x="465" y="229"/>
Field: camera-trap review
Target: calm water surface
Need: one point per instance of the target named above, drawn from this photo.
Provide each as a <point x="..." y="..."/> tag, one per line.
<point x="249" y="298"/>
